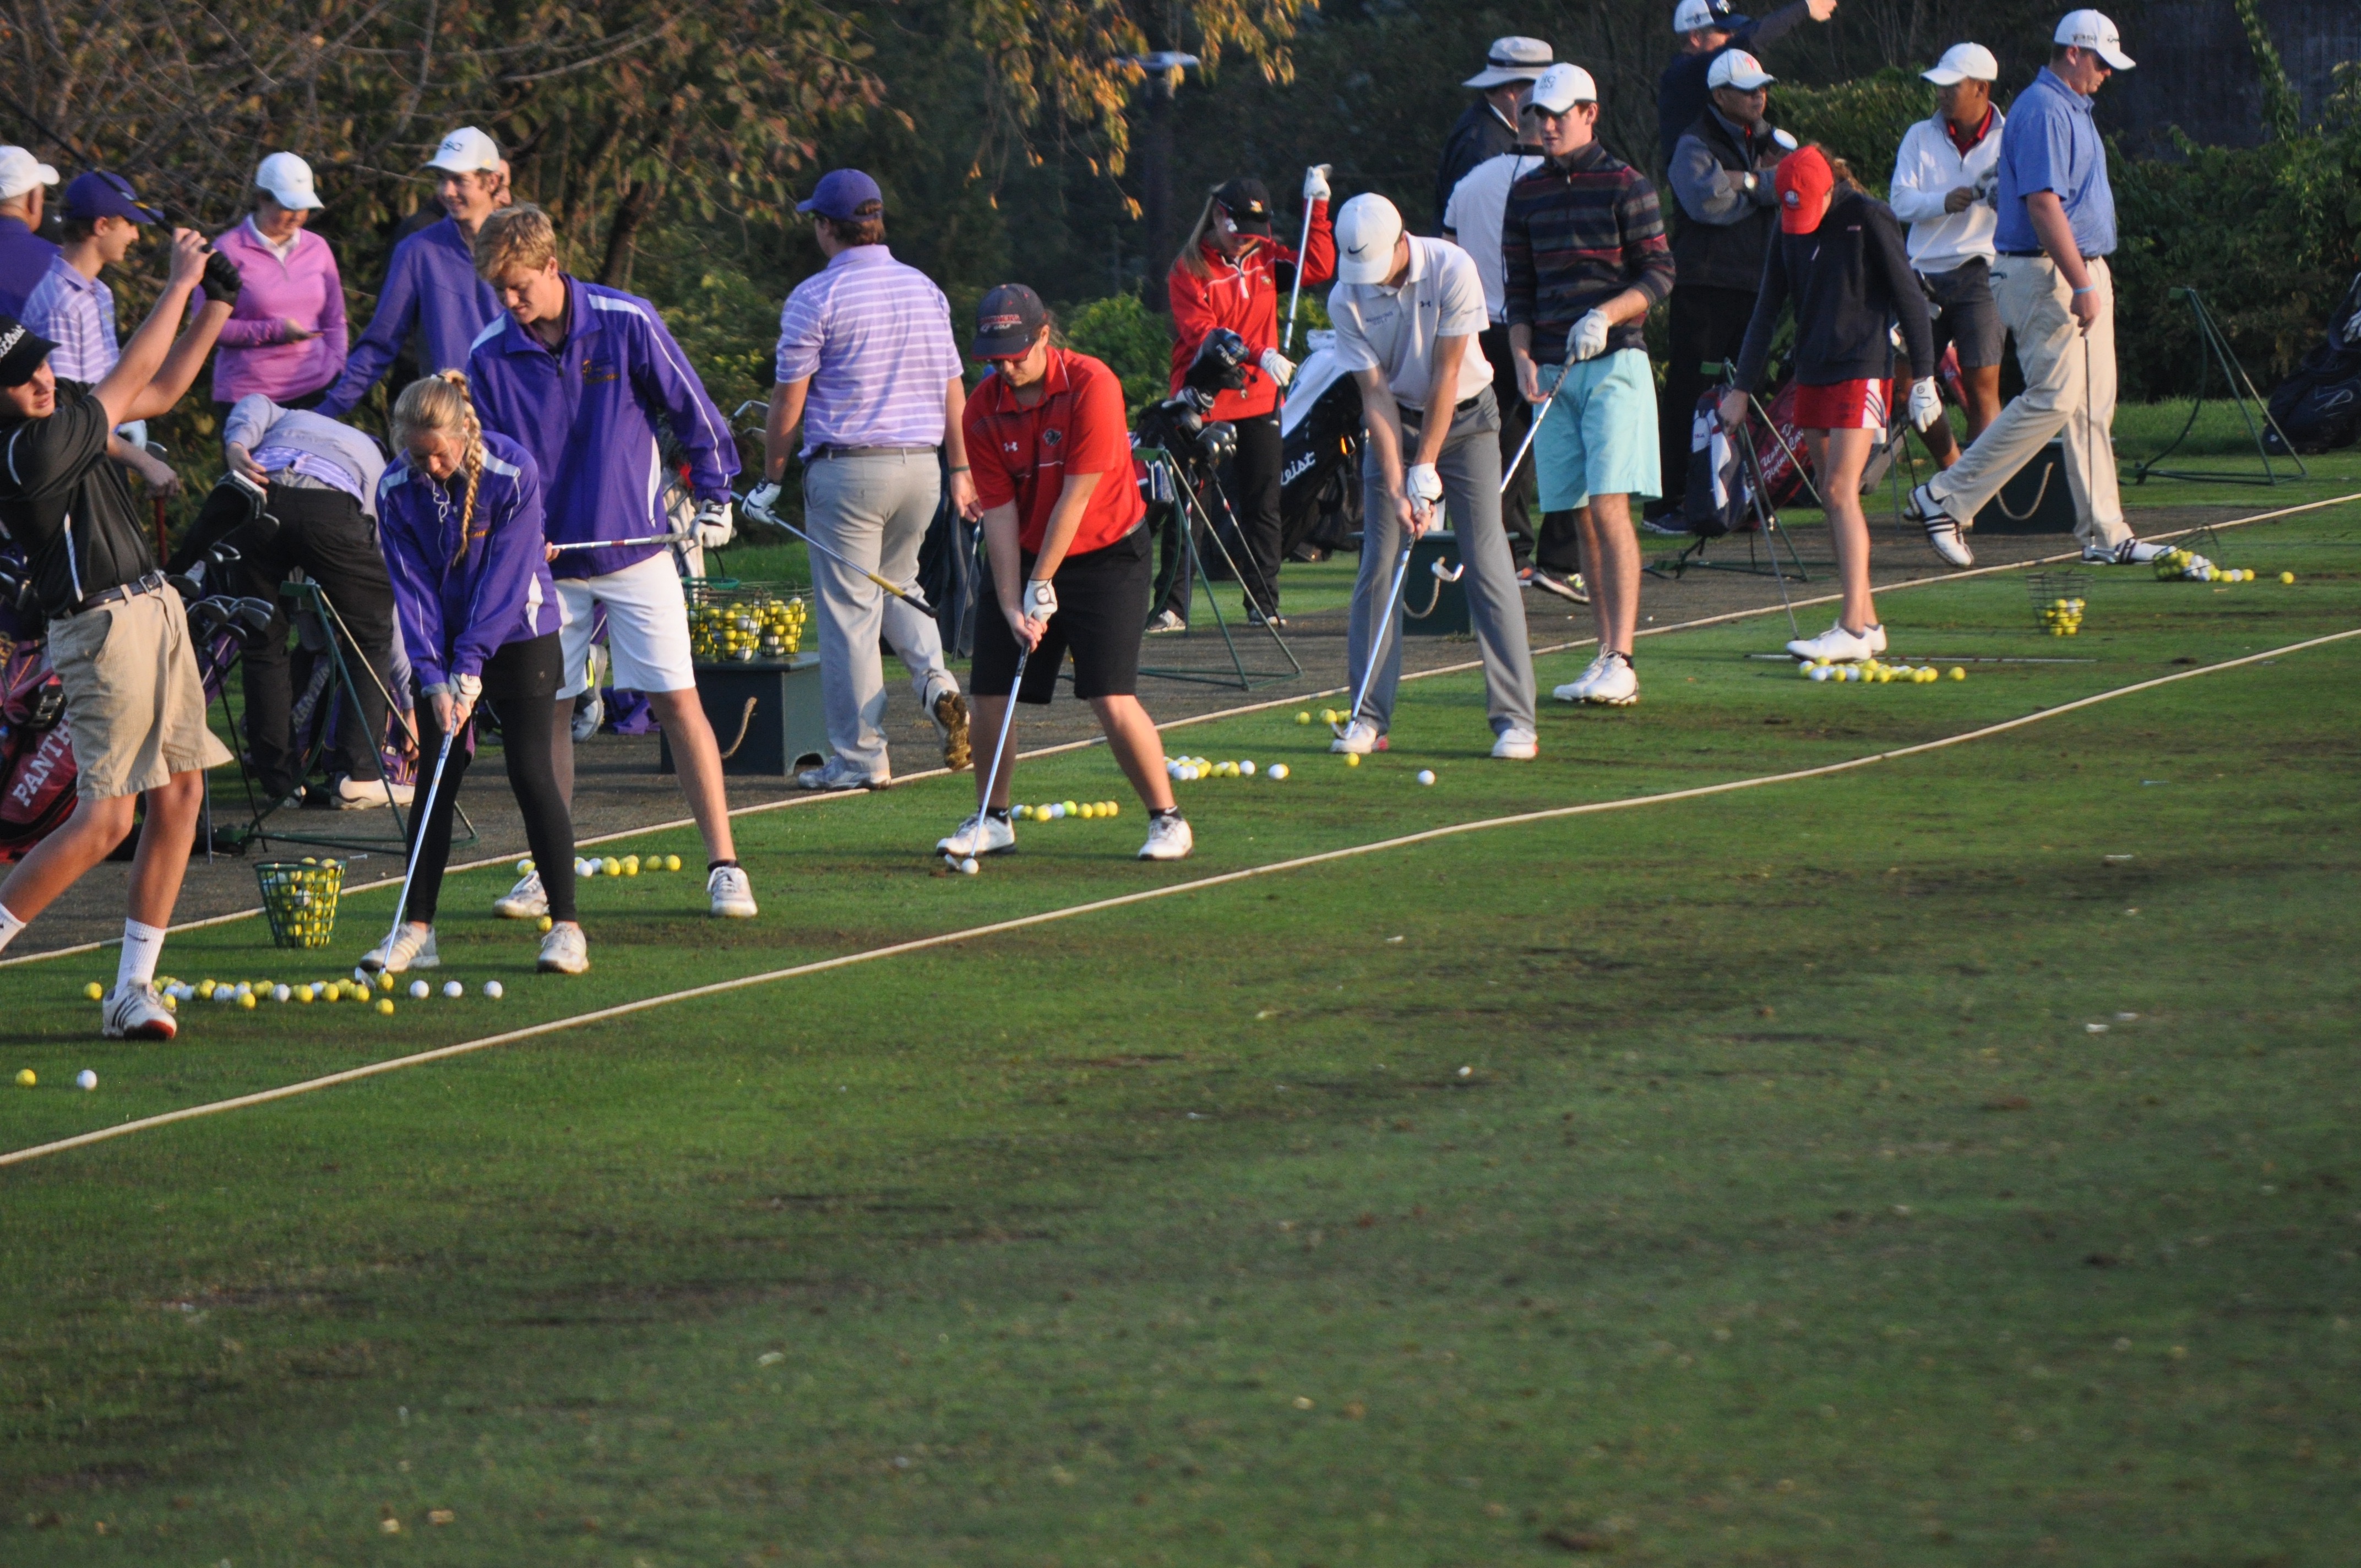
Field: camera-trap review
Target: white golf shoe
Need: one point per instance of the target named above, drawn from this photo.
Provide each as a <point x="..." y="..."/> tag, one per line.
<point x="837" y="773"/>
<point x="1835" y="646"/>
<point x="1517" y="744"/>
<point x="1875" y="637"/>
<point x="137" y="1012"/>
<point x="1950" y="541"/>
<point x="2130" y="553"/>
<point x="731" y="893"/>
<point x="361" y="794"/>
<point x="1579" y="688"/>
<point x="410" y="948"/>
<point x="565" y="950"/>
<point x="1169" y="839"/>
<point x="1609" y="682"/>
<point x="526" y="901"/>
<point x="1360" y="738"/>
<point x="982" y="834"/>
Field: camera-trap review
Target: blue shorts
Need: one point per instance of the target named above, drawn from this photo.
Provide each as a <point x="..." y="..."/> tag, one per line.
<point x="1600" y="436"/>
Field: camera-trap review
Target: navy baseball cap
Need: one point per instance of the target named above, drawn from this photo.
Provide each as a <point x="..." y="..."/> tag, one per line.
<point x="21" y="352"/>
<point x="840" y="193"/>
<point x="1249" y="205"/>
<point x="99" y="195"/>
<point x="1008" y="321"/>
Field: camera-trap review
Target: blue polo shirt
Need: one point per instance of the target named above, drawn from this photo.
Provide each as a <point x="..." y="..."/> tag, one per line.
<point x="2050" y="143"/>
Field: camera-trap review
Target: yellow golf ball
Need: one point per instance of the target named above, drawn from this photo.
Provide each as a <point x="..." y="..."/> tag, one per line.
<point x="384" y="981"/>
<point x="672" y="862"/>
<point x="612" y="867"/>
<point x="94" y="990"/>
<point x="1303" y="719"/>
<point x="385" y="1006"/>
<point x="546" y="922"/>
<point x="2287" y="577"/>
<point x="245" y="1000"/>
<point x="630" y="865"/>
<point x="1113" y="808"/>
<point x="1958" y="673"/>
<point x="205" y="989"/>
<point x="303" y="993"/>
<point x="25" y="1078"/>
<point x="1352" y="759"/>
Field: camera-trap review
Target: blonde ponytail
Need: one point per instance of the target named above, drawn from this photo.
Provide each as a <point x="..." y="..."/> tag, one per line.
<point x="440" y="405"/>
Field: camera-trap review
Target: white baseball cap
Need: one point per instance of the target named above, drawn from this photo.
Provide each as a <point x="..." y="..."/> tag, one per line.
<point x="1736" y="67"/>
<point x="1963" y="63"/>
<point x="1511" y="60"/>
<point x="20" y="171"/>
<point x="1367" y="229"/>
<point x="464" y="151"/>
<point x="1562" y="86"/>
<point x="2092" y="31"/>
<point x="288" y="180"/>
<point x="1707" y="16"/>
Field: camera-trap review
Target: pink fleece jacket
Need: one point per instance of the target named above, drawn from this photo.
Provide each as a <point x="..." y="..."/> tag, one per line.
<point x="255" y="355"/>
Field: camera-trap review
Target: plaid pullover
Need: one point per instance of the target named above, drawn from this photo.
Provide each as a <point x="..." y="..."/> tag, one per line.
<point x="1577" y="234"/>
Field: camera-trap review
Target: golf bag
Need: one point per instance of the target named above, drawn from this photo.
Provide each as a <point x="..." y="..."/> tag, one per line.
<point x="2319" y="404"/>
<point x="37" y="760"/>
<point x="1320" y="477"/>
<point x="1720" y="497"/>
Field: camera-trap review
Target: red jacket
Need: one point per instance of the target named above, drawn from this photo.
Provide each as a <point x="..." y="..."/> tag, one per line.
<point x="1244" y="297"/>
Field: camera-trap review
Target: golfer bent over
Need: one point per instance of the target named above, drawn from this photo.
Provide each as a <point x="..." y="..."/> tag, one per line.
<point x="867" y="363"/>
<point x="1581" y="258"/>
<point x="1070" y="562"/>
<point x="459" y="513"/>
<point x="118" y="638"/>
<point x="577" y="375"/>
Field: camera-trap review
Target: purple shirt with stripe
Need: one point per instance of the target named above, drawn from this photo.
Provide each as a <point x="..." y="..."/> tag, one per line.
<point x="874" y="337"/>
<point x="77" y="313"/>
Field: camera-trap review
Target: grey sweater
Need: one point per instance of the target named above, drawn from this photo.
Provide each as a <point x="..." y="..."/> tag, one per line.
<point x="256" y="422"/>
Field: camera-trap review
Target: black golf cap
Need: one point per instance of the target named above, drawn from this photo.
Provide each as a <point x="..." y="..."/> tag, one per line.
<point x="1247" y="204"/>
<point x="21" y="352"/>
<point x="1007" y="321"/>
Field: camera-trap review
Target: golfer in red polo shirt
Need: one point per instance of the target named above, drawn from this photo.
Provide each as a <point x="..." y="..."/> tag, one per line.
<point x="1069" y="562"/>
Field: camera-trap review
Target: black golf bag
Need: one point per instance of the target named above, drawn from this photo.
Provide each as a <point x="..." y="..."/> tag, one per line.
<point x="2319" y="404"/>
<point x="1320" y="477"/>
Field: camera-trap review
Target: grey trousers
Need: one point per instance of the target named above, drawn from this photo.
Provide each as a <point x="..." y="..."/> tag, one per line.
<point x="1470" y="470"/>
<point x="875" y="510"/>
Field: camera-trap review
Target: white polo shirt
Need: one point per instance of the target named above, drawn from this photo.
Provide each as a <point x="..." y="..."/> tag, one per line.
<point x="1477" y="204"/>
<point x="1393" y="330"/>
<point x="1929" y="168"/>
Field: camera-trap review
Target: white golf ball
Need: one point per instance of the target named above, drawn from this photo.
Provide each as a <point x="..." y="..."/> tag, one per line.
<point x="492" y="988"/>
<point x="225" y="993"/>
<point x="453" y="989"/>
<point x="1277" y="770"/>
<point x="1820" y="673"/>
<point x="281" y="992"/>
<point x="1426" y="775"/>
<point x="420" y="991"/>
<point x="967" y="867"/>
<point x="1247" y="768"/>
<point x="524" y="868"/>
<point x="85" y="1079"/>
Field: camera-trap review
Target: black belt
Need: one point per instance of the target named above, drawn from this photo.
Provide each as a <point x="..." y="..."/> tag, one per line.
<point x="868" y="451"/>
<point x="2021" y="254"/>
<point x="153" y="583"/>
<point x="1418" y="416"/>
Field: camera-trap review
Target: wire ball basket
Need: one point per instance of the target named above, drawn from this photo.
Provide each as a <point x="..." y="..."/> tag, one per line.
<point x="736" y="622"/>
<point x="2058" y="599"/>
<point x="300" y="898"/>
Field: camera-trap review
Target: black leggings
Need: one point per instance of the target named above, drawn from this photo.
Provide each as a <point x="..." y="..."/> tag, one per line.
<point x="1251" y="481"/>
<point x="521" y="684"/>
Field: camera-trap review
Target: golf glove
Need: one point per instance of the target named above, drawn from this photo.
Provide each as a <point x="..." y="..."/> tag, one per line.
<point x="1277" y="366"/>
<point x="1588" y="339"/>
<point x="713" y="527"/>
<point x="1423" y="486"/>
<point x="1925" y="403"/>
<point x="1315" y="184"/>
<point x="1040" y="599"/>
<point x="466" y="690"/>
<point x="762" y="500"/>
<point x="221" y="280"/>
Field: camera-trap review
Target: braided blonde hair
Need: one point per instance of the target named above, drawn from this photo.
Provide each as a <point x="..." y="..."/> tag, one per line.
<point x="440" y="405"/>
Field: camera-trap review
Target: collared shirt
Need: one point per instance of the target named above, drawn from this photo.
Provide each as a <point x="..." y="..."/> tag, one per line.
<point x="296" y="283"/>
<point x="312" y="444"/>
<point x="1024" y="455"/>
<point x="1473" y="215"/>
<point x="874" y="337"/>
<point x="2052" y="144"/>
<point x="1926" y="170"/>
<point x="254" y="230"/>
<point x="25" y="259"/>
<point x="431" y="288"/>
<point x="1577" y="234"/>
<point x="67" y="506"/>
<point x="1394" y="330"/>
<point x="77" y="313"/>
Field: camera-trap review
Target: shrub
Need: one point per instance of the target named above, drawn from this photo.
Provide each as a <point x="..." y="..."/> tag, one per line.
<point x="1136" y="342"/>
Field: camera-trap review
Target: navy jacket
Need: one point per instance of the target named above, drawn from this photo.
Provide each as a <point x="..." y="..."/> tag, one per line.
<point x="431" y="286"/>
<point x="456" y="609"/>
<point x="1850" y="282"/>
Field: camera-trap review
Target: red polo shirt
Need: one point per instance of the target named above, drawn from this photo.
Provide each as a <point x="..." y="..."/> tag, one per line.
<point x="1024" y="455"/>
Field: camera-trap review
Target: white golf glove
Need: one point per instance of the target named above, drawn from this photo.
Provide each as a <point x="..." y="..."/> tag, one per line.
<point x="1040" y="599"/>
<point x="1588" y="339"/>
<point x="762" y="500"/>
<point x="1925" y="403"/>
<point x="1277" y="366"/>
<point x="1423" y="486"/>
<point x="713" y="526"/>
<point x="1315" y="184"/>
<point x="466" y="690"/>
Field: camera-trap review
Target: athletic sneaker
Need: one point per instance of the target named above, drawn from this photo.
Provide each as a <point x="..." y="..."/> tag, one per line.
<point x="2130" y="553"/>
<point x="1360" y="738"/>
<point x="1165" y="621"/>
<point x="1578" y="689"/>
<point x="1169" y="839"/>
<point x="410" y="948"/>
<point x="837" y="774"/>
<point x="731" y="893"/>
<point x="588" y="716"/>
<point x="1949" y="540"/>
<point x="1517" y="744"/>
<point x="360" y="795"/>
<point x="528" y="900"/>
<point x="1255" y="617"/>
<point x="1875" y="637"/>
<point x="565" y="950"/>
<point x="982" y="834"/>
<point x="1666" y="525"/>
<point x="137" y="1012"/>
<point x="1836" y="645"/>
<point x="950" y="725"/>
<point x="1923" y="509"/>
<point x="1569" y="586"/>
<point x="1617" y="684"/>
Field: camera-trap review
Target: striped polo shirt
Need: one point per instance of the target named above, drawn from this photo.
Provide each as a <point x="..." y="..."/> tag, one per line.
<point x="874" y="337"/>
<point x="77" y="313"/>
<point x="1578" y="232"/>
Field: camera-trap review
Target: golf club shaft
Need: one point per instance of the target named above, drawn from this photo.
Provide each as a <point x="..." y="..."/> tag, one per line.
<point x="1534" y="428"/>
<point x="418" y="824"/>
<point x="1287" y="342"/>
<point x="625" y="543"/>
<point x="1000" y="748"/>
<point x="1377" y="633"/>
<point x="915" y="602"/>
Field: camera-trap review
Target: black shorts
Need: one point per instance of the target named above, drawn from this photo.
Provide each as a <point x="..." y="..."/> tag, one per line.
<point x="1963" y="312"/>
<point x="1101" y="615"/>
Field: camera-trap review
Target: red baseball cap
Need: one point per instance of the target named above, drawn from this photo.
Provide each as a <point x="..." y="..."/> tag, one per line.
<point x="1804" y="181"/>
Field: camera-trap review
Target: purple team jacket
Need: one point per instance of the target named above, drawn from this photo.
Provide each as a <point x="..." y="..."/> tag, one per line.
<point x="431" y="285"/>
<point x="587" y="414"/>
<point x="454" y="617"/>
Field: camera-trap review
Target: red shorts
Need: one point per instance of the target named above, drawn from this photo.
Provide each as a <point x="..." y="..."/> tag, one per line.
<point x="1846" y="405"/>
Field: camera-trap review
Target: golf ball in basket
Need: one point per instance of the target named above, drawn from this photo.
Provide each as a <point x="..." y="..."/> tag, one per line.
<point x="385" y="1006"/>
<point x="420" y="989"/>
<point x="1426" y="775"/>
<point x="492" y="988"/>
<point x="85" y="1080"/>
<point x="94" y="990"/>
<point x="1278" y="771"/>
<point x="453" y="989"/>
<point x="968" y="866"/>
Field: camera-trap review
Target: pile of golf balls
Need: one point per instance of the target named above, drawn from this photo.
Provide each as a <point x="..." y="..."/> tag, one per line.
<point x="615" y="865"/>
<point x="1056" y="810"/>
<point x="2063" y="617"/>
<point x="1189" y="770"/>
<point x="1872" y="672"/>
<point x="250" y="993"/>
<point x="2187" y="565"/>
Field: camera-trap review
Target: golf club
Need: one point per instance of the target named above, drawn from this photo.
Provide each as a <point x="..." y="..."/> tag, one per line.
<point x="419" y="816"/>
<point x="1378" y="638"/>
<point x="1287" y="342"/>
<point x="915" y="600"/>
<point x="625" y="543"/>
<point x="1763" y="513"/>
<point x="999" y="750"/>
<point x="1508" y="476"/>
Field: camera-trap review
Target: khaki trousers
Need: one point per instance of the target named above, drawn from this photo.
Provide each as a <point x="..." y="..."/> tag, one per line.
<point x="2069" y="387"/>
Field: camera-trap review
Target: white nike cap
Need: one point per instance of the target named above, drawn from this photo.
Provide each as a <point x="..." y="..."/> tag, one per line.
<point x="2092" y="31"/>
<point x="1736" y="67"/>
<point x="465" y="151"/>
<point x="288" y="180"/>
<point x="1366" y="231"/>
<point x="1963" y="63"/>
<point x="20" y="171"/>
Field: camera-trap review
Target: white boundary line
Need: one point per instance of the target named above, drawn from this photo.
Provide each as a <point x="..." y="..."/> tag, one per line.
<point x="1543" y="651"/>
<point x="998" y="927"/>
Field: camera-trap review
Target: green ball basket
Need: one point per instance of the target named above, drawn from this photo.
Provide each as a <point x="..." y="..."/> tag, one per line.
<point x="300" y="898"/>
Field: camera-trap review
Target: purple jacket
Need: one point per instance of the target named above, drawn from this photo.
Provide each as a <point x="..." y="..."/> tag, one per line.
<point x="587" y="414"/>
<point x="25" y="259"/>
<point x="254" y="354"/>
<point x="457" y="613"/>
<point x="431" y="285"/>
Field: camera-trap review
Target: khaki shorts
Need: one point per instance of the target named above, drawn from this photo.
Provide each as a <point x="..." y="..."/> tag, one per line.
<point x="135" y="702"/>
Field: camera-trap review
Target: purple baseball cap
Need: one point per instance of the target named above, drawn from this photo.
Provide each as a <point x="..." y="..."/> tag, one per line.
<point x="840" y="193"/>
<point x="99" y="195"/>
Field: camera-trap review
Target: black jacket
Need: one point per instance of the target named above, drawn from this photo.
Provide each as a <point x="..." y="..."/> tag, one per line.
<point x="1726" y="256"/>
<point x="1681" y="92"/>
<point x="1481" y="134"/>
<point x="1850" y="282"/>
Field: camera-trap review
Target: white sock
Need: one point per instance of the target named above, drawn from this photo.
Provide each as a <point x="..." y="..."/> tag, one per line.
<point x="9" y="926"/>
<point x="142" y="945"/>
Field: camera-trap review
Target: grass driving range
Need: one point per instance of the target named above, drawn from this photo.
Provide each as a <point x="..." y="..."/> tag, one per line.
<point x="1948" y="1161"/>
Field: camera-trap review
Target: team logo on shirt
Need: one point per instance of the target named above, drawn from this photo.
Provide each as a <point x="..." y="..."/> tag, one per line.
<point x="594" y="372"/>
<point x="1051" y="437"/>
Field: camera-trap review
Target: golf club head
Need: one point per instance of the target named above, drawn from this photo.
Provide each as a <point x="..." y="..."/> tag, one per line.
<point x="256" y="614"/>
<point x="206" y="616"/>
<point x="1448" y="572"/>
